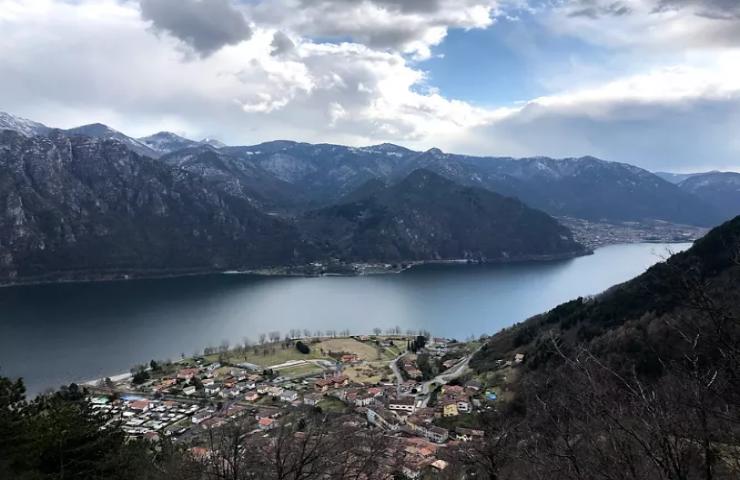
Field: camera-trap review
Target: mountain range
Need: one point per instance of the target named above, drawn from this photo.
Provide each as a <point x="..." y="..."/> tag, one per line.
<point x="92" y="199"/>
<point x="721" y="190"/>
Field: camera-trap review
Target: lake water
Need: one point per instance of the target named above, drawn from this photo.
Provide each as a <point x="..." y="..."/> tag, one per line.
<point x="56" y="334"/>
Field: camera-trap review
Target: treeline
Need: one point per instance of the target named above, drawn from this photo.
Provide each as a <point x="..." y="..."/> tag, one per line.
<point x="642" y="382"/>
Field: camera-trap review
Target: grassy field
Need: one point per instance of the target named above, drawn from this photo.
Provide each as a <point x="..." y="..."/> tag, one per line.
<point x="370" y="373"/>
<point x="300" y="370"/>
<point x="349" y="345"/>
<point x="333" y="405"/>
<point x="268" y="356"/>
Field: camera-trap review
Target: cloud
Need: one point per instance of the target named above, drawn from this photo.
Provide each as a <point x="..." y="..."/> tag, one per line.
<point x="594" y="9"/>
<point x="667" y="119"/>
<point x="412" y="27"/>
<point x="720" y="9"/>
<point x="655" y="25"/>
<point x="66" y="63"/>
<point x="203" y="25"/>
<point x="281" y="43"/>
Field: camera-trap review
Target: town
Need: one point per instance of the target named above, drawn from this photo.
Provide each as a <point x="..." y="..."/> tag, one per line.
<point x="415" y="389"/>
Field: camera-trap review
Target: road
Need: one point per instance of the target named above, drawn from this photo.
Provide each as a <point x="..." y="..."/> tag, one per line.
<point x="397" y="373"/>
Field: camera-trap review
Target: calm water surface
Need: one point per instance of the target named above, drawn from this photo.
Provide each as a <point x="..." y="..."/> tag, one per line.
<point x="56" y="334"/>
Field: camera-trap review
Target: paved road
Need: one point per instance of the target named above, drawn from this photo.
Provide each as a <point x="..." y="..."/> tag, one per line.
<point x="397" y="373"/>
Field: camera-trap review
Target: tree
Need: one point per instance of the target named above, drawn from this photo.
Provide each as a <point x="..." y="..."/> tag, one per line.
<point x="377" y="331"/>
<point x="140" y="375"/>
<point x="262" y="338"/>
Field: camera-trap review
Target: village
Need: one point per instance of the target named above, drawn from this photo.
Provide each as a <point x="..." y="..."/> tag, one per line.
<point x="418" y="390"/>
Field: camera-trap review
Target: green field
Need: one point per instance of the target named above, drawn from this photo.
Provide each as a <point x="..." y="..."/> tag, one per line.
<point x="332" y="405"/>
<point x="300" y="370"/>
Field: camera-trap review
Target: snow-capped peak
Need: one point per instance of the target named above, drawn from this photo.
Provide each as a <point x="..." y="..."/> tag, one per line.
<point x="22" y="125"/>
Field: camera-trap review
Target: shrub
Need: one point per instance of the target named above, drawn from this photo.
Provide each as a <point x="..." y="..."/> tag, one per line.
<point x="302" y="347"/>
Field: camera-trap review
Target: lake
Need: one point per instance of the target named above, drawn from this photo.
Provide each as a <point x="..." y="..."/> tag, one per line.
<point x="56" y="334"/>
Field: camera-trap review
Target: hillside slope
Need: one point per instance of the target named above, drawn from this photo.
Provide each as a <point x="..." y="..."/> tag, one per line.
<point x="641" y="381"/>
<point x="80" y="207"/>
<point x="719" y="189"/>
<point x="427" y="217"/>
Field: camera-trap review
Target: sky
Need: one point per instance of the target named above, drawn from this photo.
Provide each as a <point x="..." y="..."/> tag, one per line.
<point x="654" y="83"/>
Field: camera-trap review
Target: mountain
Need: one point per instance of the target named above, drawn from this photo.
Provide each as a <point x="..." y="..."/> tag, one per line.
<point x="719" y="189"/>
<point x="166" y="142"/>
<point x="212" y="142"/>
<point x="77" y="207"/>
<point x="675" y="178"/>
<point x="324" y="172"/>
<point x="236" y="176"/>
<point x="104" y="132"/>
<point x="300" y="176"/>
<point x="584" y="187"/>
<point x="428" y="217"/>
<point x="640" y="380"/>
<point x="22" y="125"/>
<point x="663" y="291"/>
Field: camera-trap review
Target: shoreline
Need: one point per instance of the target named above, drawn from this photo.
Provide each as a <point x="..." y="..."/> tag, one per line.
<point x="311" y="270"/>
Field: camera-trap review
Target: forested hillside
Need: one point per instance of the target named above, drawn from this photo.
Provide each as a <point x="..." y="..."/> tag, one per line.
<point x="640" y="382"/>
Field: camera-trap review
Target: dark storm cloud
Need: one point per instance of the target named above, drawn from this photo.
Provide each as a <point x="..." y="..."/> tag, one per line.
<point x="204" y="25"/>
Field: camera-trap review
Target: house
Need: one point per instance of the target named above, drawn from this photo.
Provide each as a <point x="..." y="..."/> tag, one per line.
<point x="437" y="434"/>
<point x="453" y="390"/>
<point x="439" y="465"/>
<point x="189" y="390"/>
<point x="375" y="391"/>
<point x="201" y="416"/>
<point x="275" y="391"/>
<point x="468" y="434"/>
<point x="336" y="381"/>
<point x="348" y="358"/>
<point x="139" y="405"/>
<point x="363" y="399"/>
<point x="474" y="385"/>
<point x="450" y="410"/>
<point x="413" y="466"/>
<point x="463" y="406"/>
<point x="384" y="419"/>
<point x="213" y="366"/>
<point x="430" y="432"/>
<point x="519" y="358"/>
<point x="252" y="397"/>
<point x="414" y="373"/>
<point x="187" y="373"/>
<point x="312" y="399"/>
<point x="288" y="395"/>
<point x="449" y="363"/>
<point x="266" y="423"/>
<point x="405" y="404"/>
<point x="212" y="389"/>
